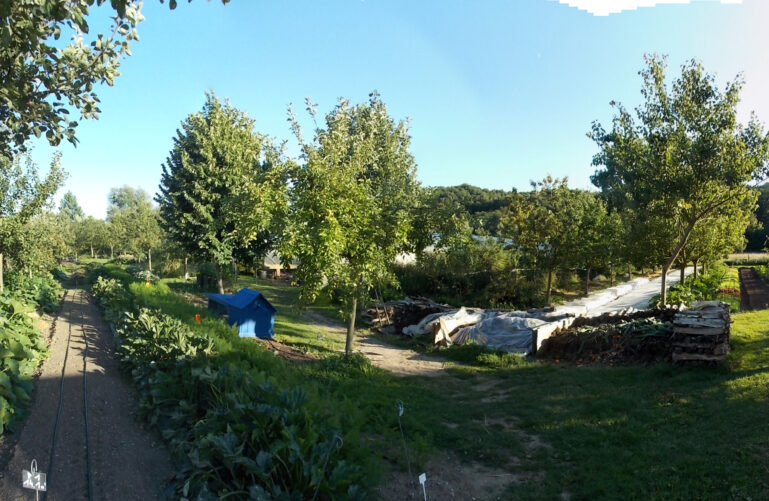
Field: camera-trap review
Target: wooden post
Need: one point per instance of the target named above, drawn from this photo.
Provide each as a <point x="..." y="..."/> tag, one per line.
<point x="186" y="270"/>
<point x="149" y="258"/>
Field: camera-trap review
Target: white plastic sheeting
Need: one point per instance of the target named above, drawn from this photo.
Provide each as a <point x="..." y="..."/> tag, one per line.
<point x="503" y="331"/>
<point x="513" y="331"/>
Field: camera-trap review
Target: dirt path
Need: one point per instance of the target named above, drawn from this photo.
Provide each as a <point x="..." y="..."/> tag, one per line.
<point x="400" y="361"/>
<point x="125" y="461"/>
<point x="754" y="291"/>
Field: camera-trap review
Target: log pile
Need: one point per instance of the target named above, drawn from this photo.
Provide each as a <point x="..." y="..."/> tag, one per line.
<point x="395" y="315"/>
<point x="701" y="333"/>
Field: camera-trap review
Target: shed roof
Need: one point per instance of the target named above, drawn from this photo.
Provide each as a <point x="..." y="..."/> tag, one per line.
<point x="242" y="299"/>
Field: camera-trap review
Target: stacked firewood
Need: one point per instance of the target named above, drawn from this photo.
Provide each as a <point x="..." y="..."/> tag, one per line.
<point x="701" y="333"/>
<point x="401" y="313"/>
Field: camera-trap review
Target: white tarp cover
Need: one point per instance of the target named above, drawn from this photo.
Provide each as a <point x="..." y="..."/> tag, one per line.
<point x="503" y="331"/>
<point x="445" y="323"/>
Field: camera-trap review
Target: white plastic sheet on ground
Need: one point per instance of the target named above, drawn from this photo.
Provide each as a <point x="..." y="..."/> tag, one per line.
<point x="511" y="331"/>
<point x="503" y="331"/>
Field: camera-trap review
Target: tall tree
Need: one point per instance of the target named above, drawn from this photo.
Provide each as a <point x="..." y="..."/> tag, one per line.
<point x="133" y="219"/>
<point x="543" y="224"/>
<point x="23" y="195"/>
<point x="221" y="185"/>
<point x="69" y="208"/>
<point x="352" y="202"/>
<point x="590" y="251"/>
<point x="686" y="159"/>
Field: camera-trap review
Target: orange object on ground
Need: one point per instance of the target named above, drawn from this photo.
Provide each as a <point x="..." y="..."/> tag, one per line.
<point x="197" y="317"/>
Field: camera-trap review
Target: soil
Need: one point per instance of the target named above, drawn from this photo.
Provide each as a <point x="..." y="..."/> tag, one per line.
<point x="754" y="291"/>
<point x="126" y="462"/>
<point x="285" y="351"/>
<point x="450" y="478"/>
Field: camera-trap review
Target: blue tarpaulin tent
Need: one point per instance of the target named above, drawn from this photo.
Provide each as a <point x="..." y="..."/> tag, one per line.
<point x="248" y="309"/>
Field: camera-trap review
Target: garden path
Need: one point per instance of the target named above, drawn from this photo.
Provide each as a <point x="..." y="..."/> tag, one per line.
<point x="125" y="461"/>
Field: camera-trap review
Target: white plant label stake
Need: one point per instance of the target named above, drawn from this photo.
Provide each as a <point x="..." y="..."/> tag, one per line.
<point x="33" y="479"/>
<point x="422" y="480"/>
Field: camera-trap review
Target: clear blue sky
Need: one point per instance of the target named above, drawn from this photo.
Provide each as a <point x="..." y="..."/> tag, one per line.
<point x="499" y="92"/>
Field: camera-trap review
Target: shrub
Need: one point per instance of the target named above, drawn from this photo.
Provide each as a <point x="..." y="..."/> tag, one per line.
<point x="22" y="350"/>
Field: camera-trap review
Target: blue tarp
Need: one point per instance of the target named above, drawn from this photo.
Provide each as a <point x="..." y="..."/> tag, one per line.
<point x="248" y="309"/>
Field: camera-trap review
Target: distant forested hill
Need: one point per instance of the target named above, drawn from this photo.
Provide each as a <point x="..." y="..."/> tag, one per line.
<point x="483" y="206"/>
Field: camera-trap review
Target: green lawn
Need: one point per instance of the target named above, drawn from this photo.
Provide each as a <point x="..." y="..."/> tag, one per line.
<point x="593" y="432"/>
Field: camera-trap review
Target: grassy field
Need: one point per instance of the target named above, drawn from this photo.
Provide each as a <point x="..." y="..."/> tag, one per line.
<point x="661" y="432"/>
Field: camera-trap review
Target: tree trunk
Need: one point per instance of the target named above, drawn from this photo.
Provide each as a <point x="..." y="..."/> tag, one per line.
<point x="219" y="279"/>
<point x="683" y="272"/>
<point x="587" y="281"/>
<point x="611" y="275"/>
<point x="91" y="251"/>
<point x="695" y="268"/>
<point x="256" y="268"/>
<point x="186" y="270"/>
<point x="2" y="265"/>
<point x="112" y="251"/>
<point x="629" y="272"/>
<point x="351" y="327"/>
<point x="671" y="260"/>
<point x="549" y="285"/>
<point x="149" y="259"/>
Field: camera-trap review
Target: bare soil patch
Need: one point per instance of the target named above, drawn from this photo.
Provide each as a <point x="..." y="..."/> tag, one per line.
<point x="285" y="351"/>
<point x="754" y="291"/>
<point x="451" y="478"/>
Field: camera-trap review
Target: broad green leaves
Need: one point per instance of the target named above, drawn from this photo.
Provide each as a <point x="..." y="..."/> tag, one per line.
<point x="352" y="200"/>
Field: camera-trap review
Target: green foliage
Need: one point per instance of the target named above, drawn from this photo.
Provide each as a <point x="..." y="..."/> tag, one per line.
<point x="70" y="209"/>
<point x="485" y="208"/>
<point x="21" y="351"/>
<point x="705" y="287"/>
<point x="217" y="193"/>
<point x="475" y="273"/>
<point x="150" y="337"/>
<point x="687" y="159"/>
<point x="43" y="291"/>
<point x="480" y="355"/>
<point x="133" y="223"/>
<point x="352" y="202"/>
<point x="234" y="434"/>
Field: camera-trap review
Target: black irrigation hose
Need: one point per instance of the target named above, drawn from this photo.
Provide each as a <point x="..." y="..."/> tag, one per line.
<point x="85" y="408"/>
<point x="58" y="410"/>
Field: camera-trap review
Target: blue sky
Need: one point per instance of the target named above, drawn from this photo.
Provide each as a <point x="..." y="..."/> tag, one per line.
<point x="498" y="92"/>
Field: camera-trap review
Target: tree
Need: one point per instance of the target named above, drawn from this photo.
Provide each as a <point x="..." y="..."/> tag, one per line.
<point x="352" y="202"/>
<point x="42" y="80"/>
<point x="542" y="223"/>
<point x="91" y="234"/>
<point x="69" y="208"/>
<point x="23" y="195"/>
<point x="686" y="160"/>
<point x="221" y="185"/>
<point x="590" y="244"/>
<point x="133" y="221"/>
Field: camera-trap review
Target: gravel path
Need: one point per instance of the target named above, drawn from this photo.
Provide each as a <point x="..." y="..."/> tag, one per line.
<point x="125" y="461"/>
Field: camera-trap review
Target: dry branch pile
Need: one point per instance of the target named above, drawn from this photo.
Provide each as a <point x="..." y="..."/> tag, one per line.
<point x="395" y="315"/>
<point x="701" y="333"/>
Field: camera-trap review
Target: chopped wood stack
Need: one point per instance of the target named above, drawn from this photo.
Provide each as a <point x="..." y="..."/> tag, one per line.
<point x="701" y="333"/>
<point x="401" y="313"/>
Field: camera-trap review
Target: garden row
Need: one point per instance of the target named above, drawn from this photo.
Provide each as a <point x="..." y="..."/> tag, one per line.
<point x="22" y="347"/>
<point x="234" y="432"/>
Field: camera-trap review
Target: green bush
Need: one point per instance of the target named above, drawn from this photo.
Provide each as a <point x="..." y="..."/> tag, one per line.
<point x="21" y="351"/>
<point x="234" y="435"/>
<point x="44" y="291"/>
<point x="703" y="288"/>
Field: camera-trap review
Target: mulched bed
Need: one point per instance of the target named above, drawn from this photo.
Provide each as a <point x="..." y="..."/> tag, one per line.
<point x="285" y="351"/>
<point x="639" y="338"/>
<point x="754" y="290"/>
